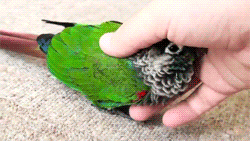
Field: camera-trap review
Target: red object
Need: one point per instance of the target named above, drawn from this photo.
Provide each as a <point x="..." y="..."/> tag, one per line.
<point x="141" y="94"/>
<point x="20" y="42"/>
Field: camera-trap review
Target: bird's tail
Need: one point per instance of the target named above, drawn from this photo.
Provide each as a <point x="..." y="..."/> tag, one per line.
<point x="65" y="24"/>
<point x="20" y="42"/>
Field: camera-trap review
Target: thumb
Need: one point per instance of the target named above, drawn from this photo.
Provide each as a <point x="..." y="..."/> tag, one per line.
<point x="207" y="23"/>
<point x="139" y="32"/>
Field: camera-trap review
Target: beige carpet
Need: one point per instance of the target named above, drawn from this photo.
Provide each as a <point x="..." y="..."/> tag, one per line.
<point x="35" y="106"/>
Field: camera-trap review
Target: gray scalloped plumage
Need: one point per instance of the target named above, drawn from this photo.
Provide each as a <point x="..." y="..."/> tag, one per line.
<point x="167" y="74"/>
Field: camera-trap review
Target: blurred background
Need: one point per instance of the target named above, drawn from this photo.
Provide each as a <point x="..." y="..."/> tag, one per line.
<point x="36" y="106"/>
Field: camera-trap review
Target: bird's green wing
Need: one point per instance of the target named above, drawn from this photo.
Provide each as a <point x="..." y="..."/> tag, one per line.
<point x="75" y="58"/>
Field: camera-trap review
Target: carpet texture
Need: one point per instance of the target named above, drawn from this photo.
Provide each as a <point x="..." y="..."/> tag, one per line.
<point x="36" y="106"/>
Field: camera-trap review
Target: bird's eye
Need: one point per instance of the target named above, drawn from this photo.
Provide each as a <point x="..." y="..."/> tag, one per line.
<point x="173" y="48"/>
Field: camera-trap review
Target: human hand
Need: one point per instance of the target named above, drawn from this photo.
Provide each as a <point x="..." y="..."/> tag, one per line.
<point x="220" y="25"/>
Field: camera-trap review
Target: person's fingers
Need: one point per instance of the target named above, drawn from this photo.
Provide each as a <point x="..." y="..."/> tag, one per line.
<point x="212" y="24"/>
<point x="189" y="110"/>
<point x="143" y="113"/>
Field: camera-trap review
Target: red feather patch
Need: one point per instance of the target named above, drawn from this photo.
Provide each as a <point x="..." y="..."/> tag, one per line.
<point x="141" y="94"/>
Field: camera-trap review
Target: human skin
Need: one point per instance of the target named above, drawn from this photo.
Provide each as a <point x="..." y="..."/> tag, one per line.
<point x="222" y="26"/>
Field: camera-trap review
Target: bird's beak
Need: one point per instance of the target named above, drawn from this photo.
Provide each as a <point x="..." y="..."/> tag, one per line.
<point x="20" y="42"/>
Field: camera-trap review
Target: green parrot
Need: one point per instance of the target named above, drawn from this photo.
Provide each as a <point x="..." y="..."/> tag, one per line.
<point x="151" y="76"/>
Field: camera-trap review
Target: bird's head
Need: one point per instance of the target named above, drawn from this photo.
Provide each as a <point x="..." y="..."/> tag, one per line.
<point x="169" y="57"/>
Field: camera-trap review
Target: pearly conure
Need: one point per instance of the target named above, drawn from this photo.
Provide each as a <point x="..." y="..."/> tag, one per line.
<point x="151" y="76"/>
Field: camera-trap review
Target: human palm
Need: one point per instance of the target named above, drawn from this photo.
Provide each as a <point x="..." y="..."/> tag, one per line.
<point x="221" y="26"/>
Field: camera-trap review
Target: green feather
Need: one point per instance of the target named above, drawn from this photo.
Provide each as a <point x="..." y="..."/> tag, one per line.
<point x="75" y="58"/>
